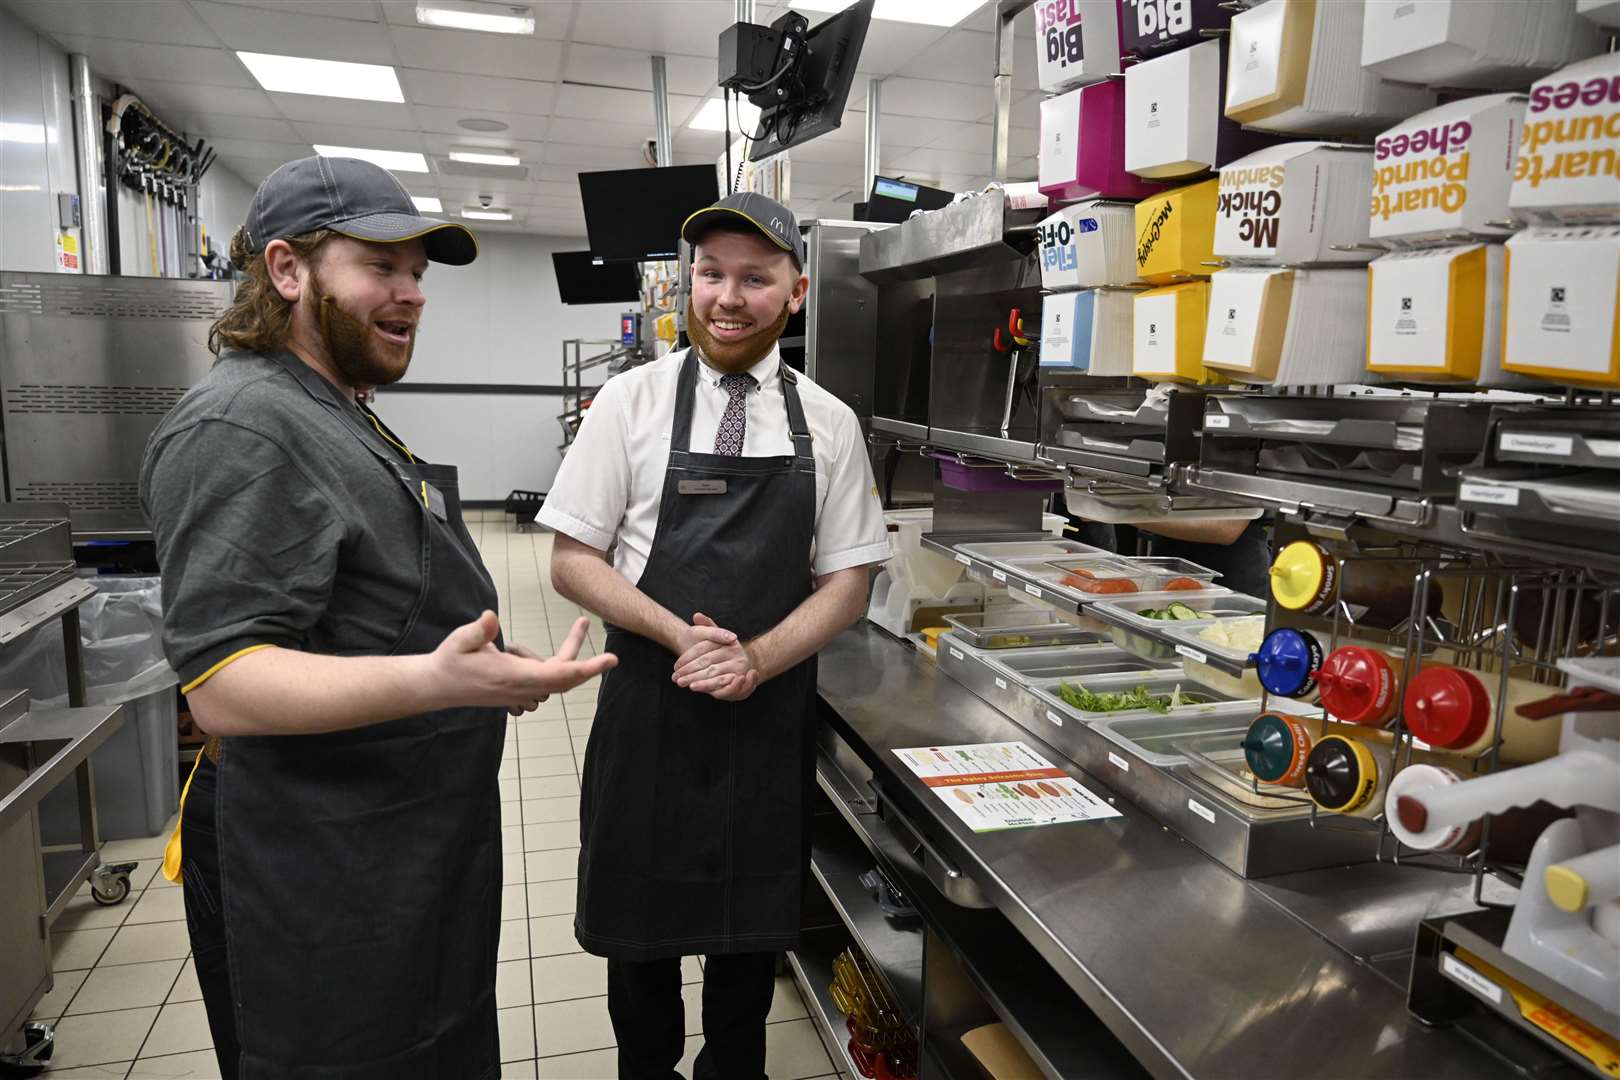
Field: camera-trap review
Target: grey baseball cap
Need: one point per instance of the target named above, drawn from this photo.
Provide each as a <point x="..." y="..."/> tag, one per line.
<point x="764" y="213"/>
<point x="352" y="197"/>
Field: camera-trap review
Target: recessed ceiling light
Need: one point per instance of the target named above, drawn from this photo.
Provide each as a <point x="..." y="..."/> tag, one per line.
<point x="712" y="116"/>
<point x="473" y="155"/>
<point x="472" y="15"/>
<point x="326" y="78"/>
<point x="396" y="160"/>
<point x="478" y="123"/>
<point x="479" y="213"/>
<point x="926" y="12"/>
<point x="428" y="204"/>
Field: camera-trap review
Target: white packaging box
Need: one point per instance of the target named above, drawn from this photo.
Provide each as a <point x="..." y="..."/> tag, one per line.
<point x="1274" y="326"/>
<point x="1294" y="67"/>
<point x="1087" y="244"/>
<point x="1478" y="44"/>
<point x="1434" y="315"/>
<point x="1563" y="305"/>
<point x="1088" y="331"/>
<point x="1568" y="170"/>
<point x="1297" y="203"/>
<point x="1076" y="42"/>
<point x="1174" y="123"/>
<point x="1447" y="171"/>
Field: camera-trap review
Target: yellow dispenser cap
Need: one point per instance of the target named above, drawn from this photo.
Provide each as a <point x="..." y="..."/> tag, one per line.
<point x="1566" y="888"/>
<point x="1296" y="575"/>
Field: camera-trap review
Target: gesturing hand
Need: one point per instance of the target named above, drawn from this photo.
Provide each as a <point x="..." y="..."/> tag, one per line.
<point x="480" y="674"/>
<point x="724" y="669"/>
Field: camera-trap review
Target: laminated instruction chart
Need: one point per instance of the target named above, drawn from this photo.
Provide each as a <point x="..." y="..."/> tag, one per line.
<point x="994" y="786"/>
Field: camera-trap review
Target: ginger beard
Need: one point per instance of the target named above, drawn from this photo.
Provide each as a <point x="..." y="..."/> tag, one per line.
<point x="360" y="356"/>
<point x="732" y="357"/>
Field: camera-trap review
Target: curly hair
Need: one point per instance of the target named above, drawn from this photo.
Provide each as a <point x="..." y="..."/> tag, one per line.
<point x="259" y="318"/>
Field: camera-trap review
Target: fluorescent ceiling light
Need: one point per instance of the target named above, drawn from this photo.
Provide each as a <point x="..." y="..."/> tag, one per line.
<point x="326" y="78"/>
<point x="428" y="204"/>
<point x="927" y="12"/>
<point x="471" y="15"/>
<point x="711" y="117"/>
<point x="15" y="132"/>
<point x="475" y="156"/>
<point x="474" y="213"/>
<point x="396" y="160"/>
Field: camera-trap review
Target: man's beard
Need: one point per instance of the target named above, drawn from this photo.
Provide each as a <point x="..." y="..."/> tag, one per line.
<point x="354" y="350"/>
<point x="733" y="356"/>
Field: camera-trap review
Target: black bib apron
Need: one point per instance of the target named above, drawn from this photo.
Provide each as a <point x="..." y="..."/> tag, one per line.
<point x="360" y="871"/>
<point x="693" y="824"/>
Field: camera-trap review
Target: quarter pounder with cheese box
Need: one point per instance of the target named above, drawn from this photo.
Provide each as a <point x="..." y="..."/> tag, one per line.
<point x="1568" y="169"/>
<point x="1447" y="171"/>
<point x="1434" y="315"/>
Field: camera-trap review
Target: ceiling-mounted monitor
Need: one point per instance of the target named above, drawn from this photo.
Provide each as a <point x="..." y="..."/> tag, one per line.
<point x="584" y="279"/>
<point x="815" y="91"/>
<point x="635" y="215"/>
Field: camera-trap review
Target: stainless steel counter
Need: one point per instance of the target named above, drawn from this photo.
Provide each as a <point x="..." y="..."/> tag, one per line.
<point x="1196" y="971"/>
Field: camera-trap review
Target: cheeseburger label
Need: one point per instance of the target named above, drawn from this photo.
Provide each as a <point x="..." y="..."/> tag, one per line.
<point x="1568" y="166"/>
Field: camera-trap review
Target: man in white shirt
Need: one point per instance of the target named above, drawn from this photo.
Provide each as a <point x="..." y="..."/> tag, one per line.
<point x="737" y="499"/>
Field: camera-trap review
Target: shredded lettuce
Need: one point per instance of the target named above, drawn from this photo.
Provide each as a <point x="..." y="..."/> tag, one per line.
<point x="1126" y="700"/>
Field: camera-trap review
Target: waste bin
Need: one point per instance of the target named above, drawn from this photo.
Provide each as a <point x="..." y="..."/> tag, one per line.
<point x="137" y="770"/>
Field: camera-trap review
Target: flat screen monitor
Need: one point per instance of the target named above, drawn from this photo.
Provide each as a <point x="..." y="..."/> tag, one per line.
<point x="635" y="215"/>
<point x="581" y="279"/>
<point x="894" y="200"/>
<point x="820" y="86"/>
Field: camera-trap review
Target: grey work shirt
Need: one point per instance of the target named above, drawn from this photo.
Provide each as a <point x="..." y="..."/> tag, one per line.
<point x="278" y="519"/>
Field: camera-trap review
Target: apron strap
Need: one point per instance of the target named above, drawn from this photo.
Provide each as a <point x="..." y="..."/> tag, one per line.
<point x="680" y="430"/>
<point x="797" y="425"/>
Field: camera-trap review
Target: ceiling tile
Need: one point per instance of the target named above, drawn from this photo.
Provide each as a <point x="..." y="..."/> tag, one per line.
<point x="477" y="54"/>
<point x="446" y="121"/>
<point x="529" y="151"/>
<point x="357" y="10"/>
<point x="214" y="127"/>
<point x="373" y="138"/>
<point x="927" y="97"/>
<point x="940" y="162"/>
<point x="293" y="32"/>
<point x="890" y="46"/>
<point x="601" y="65"/>
<point x="160" y="21"/>
<point x="618" y="106"/>
<point x="467" y="185"/>
<point x="252" y="170"/>
<point x="593" y="157"/>
<point x="190" y="99"/>
<point x="566" y="129"/>
<point x="550" y="17"/>
<point x="324" y="110"/>
<point x="899" y="131"/>
<point x="132" y="60"/>
<point x="1026" y="111"/>
<point x="965" y="56"/>
<point x="1021" y="142"/>
<point x="689" y="27"/>
<point x="476" y="92"/>
<point x="256" y="148"/>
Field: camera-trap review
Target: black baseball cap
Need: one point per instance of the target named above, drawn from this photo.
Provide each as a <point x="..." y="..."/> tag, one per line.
<point x="354" y="198"/>
<point x="764" y="213"/>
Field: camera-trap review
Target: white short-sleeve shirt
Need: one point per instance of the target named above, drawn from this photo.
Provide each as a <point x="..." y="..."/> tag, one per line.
<point x="611" y="482"/>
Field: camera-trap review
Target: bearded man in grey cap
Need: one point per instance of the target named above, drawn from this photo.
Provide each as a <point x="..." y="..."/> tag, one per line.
<point x="336" y="636"/>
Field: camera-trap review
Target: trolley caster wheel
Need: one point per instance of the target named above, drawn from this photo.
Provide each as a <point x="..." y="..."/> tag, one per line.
<point x="39" y="1045"/>
<point x="111" y="884"/>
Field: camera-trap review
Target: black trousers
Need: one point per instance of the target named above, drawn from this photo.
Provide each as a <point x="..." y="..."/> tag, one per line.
<point x="205" y="918"/>
<point x="644" y="1000"/>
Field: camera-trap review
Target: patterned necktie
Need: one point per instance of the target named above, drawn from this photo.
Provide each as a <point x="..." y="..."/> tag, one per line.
<point x="728" y="440"/>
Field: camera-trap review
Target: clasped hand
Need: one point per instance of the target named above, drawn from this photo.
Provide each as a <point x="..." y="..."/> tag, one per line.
<point x="714" y="662"/>
<point x="519" y="678"/>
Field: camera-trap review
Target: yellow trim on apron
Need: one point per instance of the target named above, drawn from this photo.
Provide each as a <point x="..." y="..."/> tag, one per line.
<point x="171" y="850"/>
<point x="401" y="447"/>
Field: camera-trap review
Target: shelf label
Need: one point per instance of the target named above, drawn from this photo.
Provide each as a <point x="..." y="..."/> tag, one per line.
<point x="999" y="576"/>
<point x="1054" y="717"/>
<point x="1201" y="810"/>
<point x="1555" y="445"/>
<point x="1001" y="684"/>
<point x="1032" y="590"/>
<point x="964" y="560"/>
<point x="1217" y="421"/>
<point x="1461" y="972"/>
<point x="1192" y="654"/>
<point x="1495" y="494"/>
<point x="957" y="654"/>
<point x="1118" y="762"/>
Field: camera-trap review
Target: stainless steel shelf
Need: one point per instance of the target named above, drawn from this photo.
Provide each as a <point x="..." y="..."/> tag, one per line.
<point x="43" y="607"/>
<point x="1011" y="451"/>
<point x="904" y="429"/>
<point x="812" y="970"/>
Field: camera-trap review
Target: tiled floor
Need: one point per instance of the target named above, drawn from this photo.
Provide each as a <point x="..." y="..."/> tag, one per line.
<point x="126" y="1002"/>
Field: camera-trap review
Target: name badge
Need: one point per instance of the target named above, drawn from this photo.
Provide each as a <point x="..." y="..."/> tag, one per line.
<point x="700" y="487"/>
<point x="435" y="501"/>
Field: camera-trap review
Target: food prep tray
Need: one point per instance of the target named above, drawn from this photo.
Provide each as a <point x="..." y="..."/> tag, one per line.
<point x="1071" y="662"/>
<point x="1188" y="640"/>
<point x="1017" y="626"/>
<point x="1148" y="638"/>
<point x="1000" y="551"/>
<point x="1160" y="683"/>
